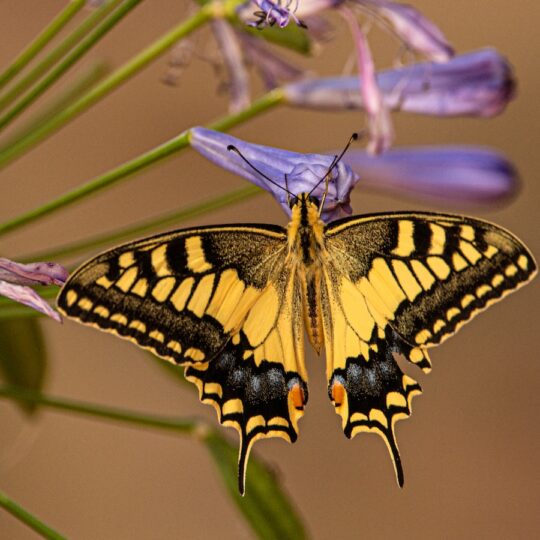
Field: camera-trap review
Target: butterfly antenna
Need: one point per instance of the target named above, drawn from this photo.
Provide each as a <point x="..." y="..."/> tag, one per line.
<point x="335" y="161"/>
<point x="232" y="148"/>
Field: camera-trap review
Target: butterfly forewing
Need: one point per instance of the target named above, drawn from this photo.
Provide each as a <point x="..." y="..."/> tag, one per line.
<point x="180" y="294"/>
<point x="427" y="274"/>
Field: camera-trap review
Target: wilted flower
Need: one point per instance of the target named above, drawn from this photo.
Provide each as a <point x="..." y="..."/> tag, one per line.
<point x="15" y="279"/>
<point x="238" y="49"/>
<point x="479" y="83"/>
<point x="289" y="170"/>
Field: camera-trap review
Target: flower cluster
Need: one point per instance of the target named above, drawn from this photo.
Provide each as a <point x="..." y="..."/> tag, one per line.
<point x="440" y="83"/>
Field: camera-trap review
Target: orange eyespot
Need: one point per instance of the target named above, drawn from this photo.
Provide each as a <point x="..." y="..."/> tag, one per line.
<point x="297" y="396"/>
<point x="338" y="393"/>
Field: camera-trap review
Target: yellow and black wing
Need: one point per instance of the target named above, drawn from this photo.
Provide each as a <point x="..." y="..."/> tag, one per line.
<point x="218" y="300"/>
<point x="402" y="283"/>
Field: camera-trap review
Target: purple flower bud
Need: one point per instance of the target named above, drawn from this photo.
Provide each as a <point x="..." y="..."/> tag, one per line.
<point x="298" y="172"/>
<point x="465" y="175"/>
<point x="14" y="278"/>
<point x="480" y="83"/>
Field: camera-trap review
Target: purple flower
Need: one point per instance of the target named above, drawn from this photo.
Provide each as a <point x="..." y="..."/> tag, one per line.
<point x="291" y="170"/>
<point x="15" y="279"/>
<point x="416" y="32"/>
<point x="466" y="175"/>
<point x="479" y="83"/>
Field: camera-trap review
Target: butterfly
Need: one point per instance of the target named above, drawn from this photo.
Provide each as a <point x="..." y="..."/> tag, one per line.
<point x="231" y="303"/>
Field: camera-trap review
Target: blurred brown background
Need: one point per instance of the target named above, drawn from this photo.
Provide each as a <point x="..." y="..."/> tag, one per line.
<point x="470" y="449"/>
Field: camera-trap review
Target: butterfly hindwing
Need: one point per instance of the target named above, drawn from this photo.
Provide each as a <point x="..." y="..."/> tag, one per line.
<point x="257" y="383"/>
<point x="401" y="283"/>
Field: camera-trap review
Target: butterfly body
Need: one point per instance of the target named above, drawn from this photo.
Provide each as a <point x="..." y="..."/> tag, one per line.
<point x="231" y="304"/>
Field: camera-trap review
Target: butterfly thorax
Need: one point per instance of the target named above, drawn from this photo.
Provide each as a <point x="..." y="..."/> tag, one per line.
<point x="306" y="253"/>
<point x="306" y="231"/>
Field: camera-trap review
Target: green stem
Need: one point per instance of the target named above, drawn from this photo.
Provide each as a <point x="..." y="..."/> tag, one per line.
<point x="37" y="45"/>
<point x="190" y="427"/>
<point x="118" y="77"/>
<point x="76" y="54"/>
<point x="67" y="96"/>
<point x="269" y="100"/>
<point x="173" y="218"/>
<point x="27" y="518"/>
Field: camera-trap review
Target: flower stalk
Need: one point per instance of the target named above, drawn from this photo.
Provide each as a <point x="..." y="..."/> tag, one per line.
<point x="76" y="54"/>
<point x="23" y="515"/>
<point x="268" y="101"/>
<point x="41" y="41"/>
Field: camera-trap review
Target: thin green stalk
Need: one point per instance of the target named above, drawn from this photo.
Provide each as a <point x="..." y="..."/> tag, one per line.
<point x="118" y="77"/>
<point x="173" y="218"/>
<point x="67" y="96"/>
<point x="190" y="427"/>
<point x="269" y="100"/>
<point x="13" y="310"/>
<point x="27" y="518"/>
<point x="37" y="45"/>
<point x="76" y="54"/>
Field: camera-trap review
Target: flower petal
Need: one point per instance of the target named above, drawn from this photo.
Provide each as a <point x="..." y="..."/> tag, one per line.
<point x="39" y="273"/>
<point x="480" y="83"/>
<point x="381" y="131"/>
<point x="238" y="78"/>
<point x="28" y="297"/>
<point x="466" y="175"/>
<point x="415" y="30"/>
<point x="300" y="172"/>
<point x="273" y="69"/>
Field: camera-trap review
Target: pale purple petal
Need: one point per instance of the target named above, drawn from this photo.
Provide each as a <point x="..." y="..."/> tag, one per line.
<point x="307" y="8"/>
<point x="238" y="78"/>
<point x="39" y="273"/>
<point x="303" y="171"/>
<point x="273" y="69"/>
<point x="415" y="30"/>
<point x="463" y="175"/>
<point x="480" y="83"/>
<point x="381" y="131"/>
<point x="28" y="297"/>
